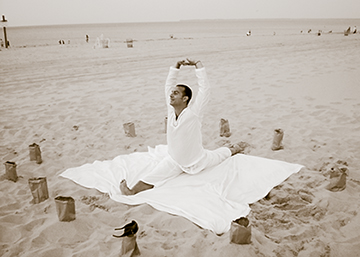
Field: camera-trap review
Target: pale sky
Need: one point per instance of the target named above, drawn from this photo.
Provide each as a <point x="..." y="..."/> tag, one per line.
<point x="49" y="12"/>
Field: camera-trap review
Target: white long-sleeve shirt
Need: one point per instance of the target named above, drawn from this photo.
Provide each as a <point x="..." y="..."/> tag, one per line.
<point x="184" y="137"/>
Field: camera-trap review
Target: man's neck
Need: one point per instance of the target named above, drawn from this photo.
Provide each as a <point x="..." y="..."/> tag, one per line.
<point x="178" y="110"/>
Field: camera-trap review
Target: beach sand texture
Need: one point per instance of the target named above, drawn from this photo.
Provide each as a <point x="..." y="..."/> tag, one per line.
<point x="72" y="100"/>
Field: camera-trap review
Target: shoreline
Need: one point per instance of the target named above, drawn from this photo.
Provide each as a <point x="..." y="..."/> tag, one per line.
<point x="120" y="32"/>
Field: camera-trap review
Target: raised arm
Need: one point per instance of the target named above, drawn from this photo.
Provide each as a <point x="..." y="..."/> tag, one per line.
<point x="171" y="81"/>
<point x="203" y="94"/>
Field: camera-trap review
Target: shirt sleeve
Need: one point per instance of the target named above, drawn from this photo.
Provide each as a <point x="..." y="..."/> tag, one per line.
<point x="203" y="94"/>
<point x="169" y="84"/>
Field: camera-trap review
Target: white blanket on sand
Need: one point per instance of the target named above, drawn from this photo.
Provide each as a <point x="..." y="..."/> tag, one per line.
<point x="210" y="199"/>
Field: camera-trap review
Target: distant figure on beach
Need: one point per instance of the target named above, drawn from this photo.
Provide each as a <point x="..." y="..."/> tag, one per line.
<point x="87" y="38"/>
<point x="248" y="33"/>
<point x="355" y="30"/>
<point x="184" y="139"/>
<point x="101" y="42"/>
<point x="348" y="31"/>
<point x="309" y="30"/>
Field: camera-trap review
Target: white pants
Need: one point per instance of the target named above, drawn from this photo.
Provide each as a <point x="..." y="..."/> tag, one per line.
<point x="168" y="168"/>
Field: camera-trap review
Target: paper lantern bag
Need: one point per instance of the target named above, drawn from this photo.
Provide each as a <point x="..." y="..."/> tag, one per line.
<point x="129" y="129"/>
<point x="65" y="208"/>
<point x="240" y="234"/>
<point x="277" y="141"/>
<point x="129" y="247"/>
<point x="39" y="189"/>
<point x="10" y="171"/>
<point x="35" y="153"/>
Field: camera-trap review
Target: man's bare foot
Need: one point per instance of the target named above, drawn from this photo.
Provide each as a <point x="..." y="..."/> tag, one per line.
<point x="235" y="149"/>
<point x="124" y="188"/>
<point x="238" y="148"/>
<point x="139" y="187"/>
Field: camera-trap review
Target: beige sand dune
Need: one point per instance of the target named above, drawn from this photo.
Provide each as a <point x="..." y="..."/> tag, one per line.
<point x="73" y="101"/>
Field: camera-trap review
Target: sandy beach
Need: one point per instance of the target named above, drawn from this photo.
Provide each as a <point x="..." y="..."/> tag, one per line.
<point x="72" y="100"/>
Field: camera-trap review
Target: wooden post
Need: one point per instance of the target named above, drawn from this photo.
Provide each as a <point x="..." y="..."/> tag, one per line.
<point x="5" y="36"/>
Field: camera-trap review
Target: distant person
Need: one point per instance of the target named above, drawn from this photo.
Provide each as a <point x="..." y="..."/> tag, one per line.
<point x="87" y="38"/>
<point x="347" y="32"/>
<point x="184" y="139"/>
<point x="248" y="33"/>
<point x="355" y="30"/>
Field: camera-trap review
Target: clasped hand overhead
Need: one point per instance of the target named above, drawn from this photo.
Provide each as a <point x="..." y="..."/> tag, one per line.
<point x="188" y="62"/>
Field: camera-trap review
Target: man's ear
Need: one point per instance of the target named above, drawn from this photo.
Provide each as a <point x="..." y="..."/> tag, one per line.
<point x="185" y="98"/>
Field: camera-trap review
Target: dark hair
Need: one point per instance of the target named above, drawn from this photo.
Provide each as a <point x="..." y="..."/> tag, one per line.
<point x="186" y="92"/>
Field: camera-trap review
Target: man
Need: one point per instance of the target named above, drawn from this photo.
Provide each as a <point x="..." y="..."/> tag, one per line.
<point x="186" y="152"/>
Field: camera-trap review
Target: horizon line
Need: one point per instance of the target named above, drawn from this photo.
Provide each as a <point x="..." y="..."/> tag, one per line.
<point x="175" y="21"/>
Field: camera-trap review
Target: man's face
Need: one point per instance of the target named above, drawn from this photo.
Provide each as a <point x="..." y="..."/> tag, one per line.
<point x="176" y="96"/>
